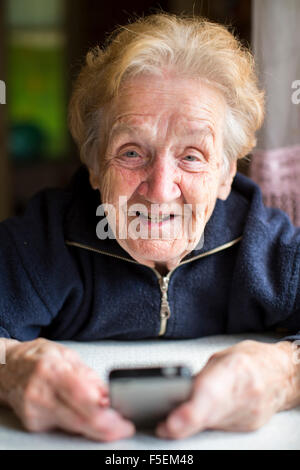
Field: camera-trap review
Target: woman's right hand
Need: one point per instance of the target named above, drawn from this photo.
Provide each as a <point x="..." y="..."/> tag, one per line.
<point x="49" y="387"/>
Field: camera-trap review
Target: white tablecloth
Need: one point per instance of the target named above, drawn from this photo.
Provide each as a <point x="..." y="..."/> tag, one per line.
<point x="281" y="432"/>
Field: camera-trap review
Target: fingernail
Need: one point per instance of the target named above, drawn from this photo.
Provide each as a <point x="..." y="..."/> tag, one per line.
<point x="176" y="423"/>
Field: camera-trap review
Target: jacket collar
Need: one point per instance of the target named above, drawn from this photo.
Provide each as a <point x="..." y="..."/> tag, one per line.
<point x="225" y="224"/>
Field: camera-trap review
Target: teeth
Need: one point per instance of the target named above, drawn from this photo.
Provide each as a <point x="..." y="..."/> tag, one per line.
<point x="157" y="219"/>
<point x="160" y="218"/>
<point x="153" y="218"/>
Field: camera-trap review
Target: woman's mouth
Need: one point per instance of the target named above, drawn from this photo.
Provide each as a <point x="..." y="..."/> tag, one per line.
<point x="157" y="225"/>
<point x="155" y="219"/>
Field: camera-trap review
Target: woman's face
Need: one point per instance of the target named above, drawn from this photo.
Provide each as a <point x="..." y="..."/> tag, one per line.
<point x="163" y="166"/>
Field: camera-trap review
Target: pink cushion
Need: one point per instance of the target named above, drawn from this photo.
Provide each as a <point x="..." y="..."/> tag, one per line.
<point x="278" y="174"/>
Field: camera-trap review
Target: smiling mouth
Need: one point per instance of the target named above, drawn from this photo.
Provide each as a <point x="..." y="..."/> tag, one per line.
<point x="154" y="218"/>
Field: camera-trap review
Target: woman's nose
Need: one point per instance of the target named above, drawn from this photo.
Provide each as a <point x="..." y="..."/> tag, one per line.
<point x="161" y="183"/>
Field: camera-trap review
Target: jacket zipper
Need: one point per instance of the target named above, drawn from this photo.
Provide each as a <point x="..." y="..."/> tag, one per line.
<point x="165" y="311"/>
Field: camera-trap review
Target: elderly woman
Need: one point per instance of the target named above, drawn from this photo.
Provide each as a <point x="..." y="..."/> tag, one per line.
<point x="156" y="236"/>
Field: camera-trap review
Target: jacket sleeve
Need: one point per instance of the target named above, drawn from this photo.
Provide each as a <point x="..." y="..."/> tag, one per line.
<point x="296" y="329"/>
<point x="266" y="282"/>
<point x="37" y="273"/>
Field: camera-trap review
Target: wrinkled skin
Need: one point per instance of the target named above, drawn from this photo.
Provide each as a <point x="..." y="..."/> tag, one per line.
<point x="165" y="148"/>
<point x="49" y="387"/>
<point x="239" y="389"/>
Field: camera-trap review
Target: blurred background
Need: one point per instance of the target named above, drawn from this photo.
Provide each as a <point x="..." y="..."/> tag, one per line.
<point x="42" y="47"/>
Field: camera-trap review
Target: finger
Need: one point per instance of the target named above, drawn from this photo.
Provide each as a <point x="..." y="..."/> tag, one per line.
<point x="193" y="416"/>
<point x="73" y="363"/>
<point x="82" y="396"/>
<point x="105" y="425"/>
<point x="78" y="397"/>
<point x="183" y="422"/>
<point x="90" y="378"/>
<point x="87" y="372"/>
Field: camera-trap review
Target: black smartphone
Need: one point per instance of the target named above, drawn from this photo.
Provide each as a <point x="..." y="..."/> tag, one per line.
<point x="147" y="395"/>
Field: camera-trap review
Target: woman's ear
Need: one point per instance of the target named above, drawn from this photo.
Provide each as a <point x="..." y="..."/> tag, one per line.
<point x="94" y="180"/>
<point x="226" y="182"/>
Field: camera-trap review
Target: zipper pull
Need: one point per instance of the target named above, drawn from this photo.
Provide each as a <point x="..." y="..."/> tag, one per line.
<point x="165" y="311"/>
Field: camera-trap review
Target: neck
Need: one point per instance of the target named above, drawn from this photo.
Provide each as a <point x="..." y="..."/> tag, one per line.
<point x="162" y="269"/>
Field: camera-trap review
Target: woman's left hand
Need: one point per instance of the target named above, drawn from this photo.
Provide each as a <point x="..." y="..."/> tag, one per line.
<point x="239" y="389"/>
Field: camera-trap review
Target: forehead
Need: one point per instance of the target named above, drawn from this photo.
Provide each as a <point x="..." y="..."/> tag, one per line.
<point x="186" y="104"/>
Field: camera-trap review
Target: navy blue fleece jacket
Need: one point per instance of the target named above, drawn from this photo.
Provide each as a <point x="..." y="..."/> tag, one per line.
<point x="59" y="281"/>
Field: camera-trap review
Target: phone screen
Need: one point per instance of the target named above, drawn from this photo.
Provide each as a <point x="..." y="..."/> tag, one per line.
<point x="147" y="395"/>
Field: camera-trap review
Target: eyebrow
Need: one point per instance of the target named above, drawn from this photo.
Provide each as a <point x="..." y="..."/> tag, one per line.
<point x="124" y="128"/>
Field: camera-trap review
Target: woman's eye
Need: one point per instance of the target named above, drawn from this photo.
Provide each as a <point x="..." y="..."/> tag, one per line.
<point x="131" y="154"/>
<point x="131" y="158"/>
<point x="191" y="158"/>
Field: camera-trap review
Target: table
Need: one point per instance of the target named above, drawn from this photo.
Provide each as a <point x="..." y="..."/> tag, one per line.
<point x="281" y="432"/>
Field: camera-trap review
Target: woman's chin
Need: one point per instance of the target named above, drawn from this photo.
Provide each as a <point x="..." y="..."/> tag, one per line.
<point x="159" y="251"/>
